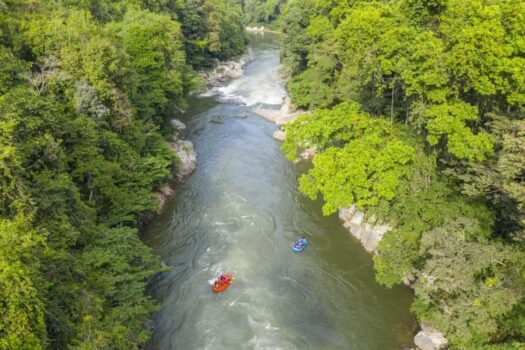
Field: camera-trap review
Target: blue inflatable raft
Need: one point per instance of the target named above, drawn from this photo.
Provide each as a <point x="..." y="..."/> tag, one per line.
<point x="300" y="245"/>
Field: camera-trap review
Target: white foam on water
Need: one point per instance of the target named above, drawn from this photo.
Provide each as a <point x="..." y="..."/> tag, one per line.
<point x="262" y="85"/>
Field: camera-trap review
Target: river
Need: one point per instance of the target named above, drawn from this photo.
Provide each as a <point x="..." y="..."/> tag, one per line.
<point x="238" y="213"/>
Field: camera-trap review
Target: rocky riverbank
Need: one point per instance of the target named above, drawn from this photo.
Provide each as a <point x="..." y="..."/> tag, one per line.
<point x="224" y="71"/>
<point x="186" y="163"/>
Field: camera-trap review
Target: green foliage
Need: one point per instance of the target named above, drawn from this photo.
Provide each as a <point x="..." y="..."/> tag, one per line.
<point x="21" y="287"/>
<point x="155" y="47"/>
<point x="448" y="121"/>
<point x="262" y="11"/>
<point x="212" y="29"/>
<point x="446" y="170"/>
<point x="87" y="89"/>
<point x="359" y="160"/>
<point x="465" y="287"/>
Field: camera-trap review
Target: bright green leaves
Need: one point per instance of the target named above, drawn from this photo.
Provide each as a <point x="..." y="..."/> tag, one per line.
<point x="324" y="128"/>
<point x="312" y="88"/>
<point x="426" y="76"/>
<point x="11" y="70"/>
<point x="476" y="35"/>
<point x="358" y="161"/>
<point x="81" y="105"/>
<point x="22" y="324"/>
<point x="118" y="322"/>
<point x="450" y="121"/>
<point x="453" y="72"/>
<point x="365" y="171"/>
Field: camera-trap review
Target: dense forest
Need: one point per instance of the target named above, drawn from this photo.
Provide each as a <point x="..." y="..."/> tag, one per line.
<point x="87" y="91"/>
<point x="265" y="12"/>
<point x="419" y="118"/>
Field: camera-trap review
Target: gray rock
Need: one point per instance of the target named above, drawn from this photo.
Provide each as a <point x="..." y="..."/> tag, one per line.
<point x="373" y="235"/>
<point x="430" y="339"/>
<point x="357" y="218"/>
<point x="368" y="232"/>
<point x="187" y="157"/>
<point x="227" y="70"/>
<point x="409" y="280"/>
<point x="177" y="124"/>
<point x="279" y="135"/>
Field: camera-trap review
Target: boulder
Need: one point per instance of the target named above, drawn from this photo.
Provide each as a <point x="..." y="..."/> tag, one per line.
<point x="279" y="135"/>
<point x="187" y="157"/>
<point x="178" y="125"/>
<point x="430" y="339"/>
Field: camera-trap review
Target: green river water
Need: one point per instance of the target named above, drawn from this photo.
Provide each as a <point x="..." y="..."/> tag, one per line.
<point x="238" y="213"/>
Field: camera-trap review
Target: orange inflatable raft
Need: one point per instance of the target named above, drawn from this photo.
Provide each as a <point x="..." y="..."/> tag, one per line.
<point x="222" y="283"/>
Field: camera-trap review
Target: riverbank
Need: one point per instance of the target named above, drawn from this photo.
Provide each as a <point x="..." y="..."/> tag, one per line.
<point x="185" y="164"/>
<point x="367" y="230"/>
<point x="224" y="71"/>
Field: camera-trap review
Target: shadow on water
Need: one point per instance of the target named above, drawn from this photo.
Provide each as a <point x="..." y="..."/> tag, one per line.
<point x="239" y="213"/>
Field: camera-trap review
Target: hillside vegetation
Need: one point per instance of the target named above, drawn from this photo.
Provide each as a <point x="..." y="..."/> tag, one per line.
<point x="419" y="118"/>
<point x="87" y="91"/>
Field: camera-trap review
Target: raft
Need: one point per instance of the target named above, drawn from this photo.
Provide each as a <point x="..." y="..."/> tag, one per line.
<point x="221" y="287"/>
<point x="300" y="245"/>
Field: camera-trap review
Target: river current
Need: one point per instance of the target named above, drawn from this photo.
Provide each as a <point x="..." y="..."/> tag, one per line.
<point x="239" y="213"/>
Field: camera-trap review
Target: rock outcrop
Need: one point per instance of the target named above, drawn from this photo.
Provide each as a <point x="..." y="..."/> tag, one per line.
<point x="368" y="232"/>
<point x="187" y="158"/>
<point x="279" y="135"/>
<point x="178" y="125"/>
<point x="430" y="339"/>
<point x="286" y="114"/>
<point x="185" y="165"/>
<point x="222" y="72"/>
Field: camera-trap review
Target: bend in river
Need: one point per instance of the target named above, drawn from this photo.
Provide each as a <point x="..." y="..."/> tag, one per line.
<point x="238" y="213"/>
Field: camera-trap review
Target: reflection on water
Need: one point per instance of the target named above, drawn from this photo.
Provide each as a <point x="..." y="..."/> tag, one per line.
<point x="239" y="213"/>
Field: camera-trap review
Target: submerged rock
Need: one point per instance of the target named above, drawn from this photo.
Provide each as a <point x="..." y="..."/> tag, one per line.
<point x="430" y="339"/>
